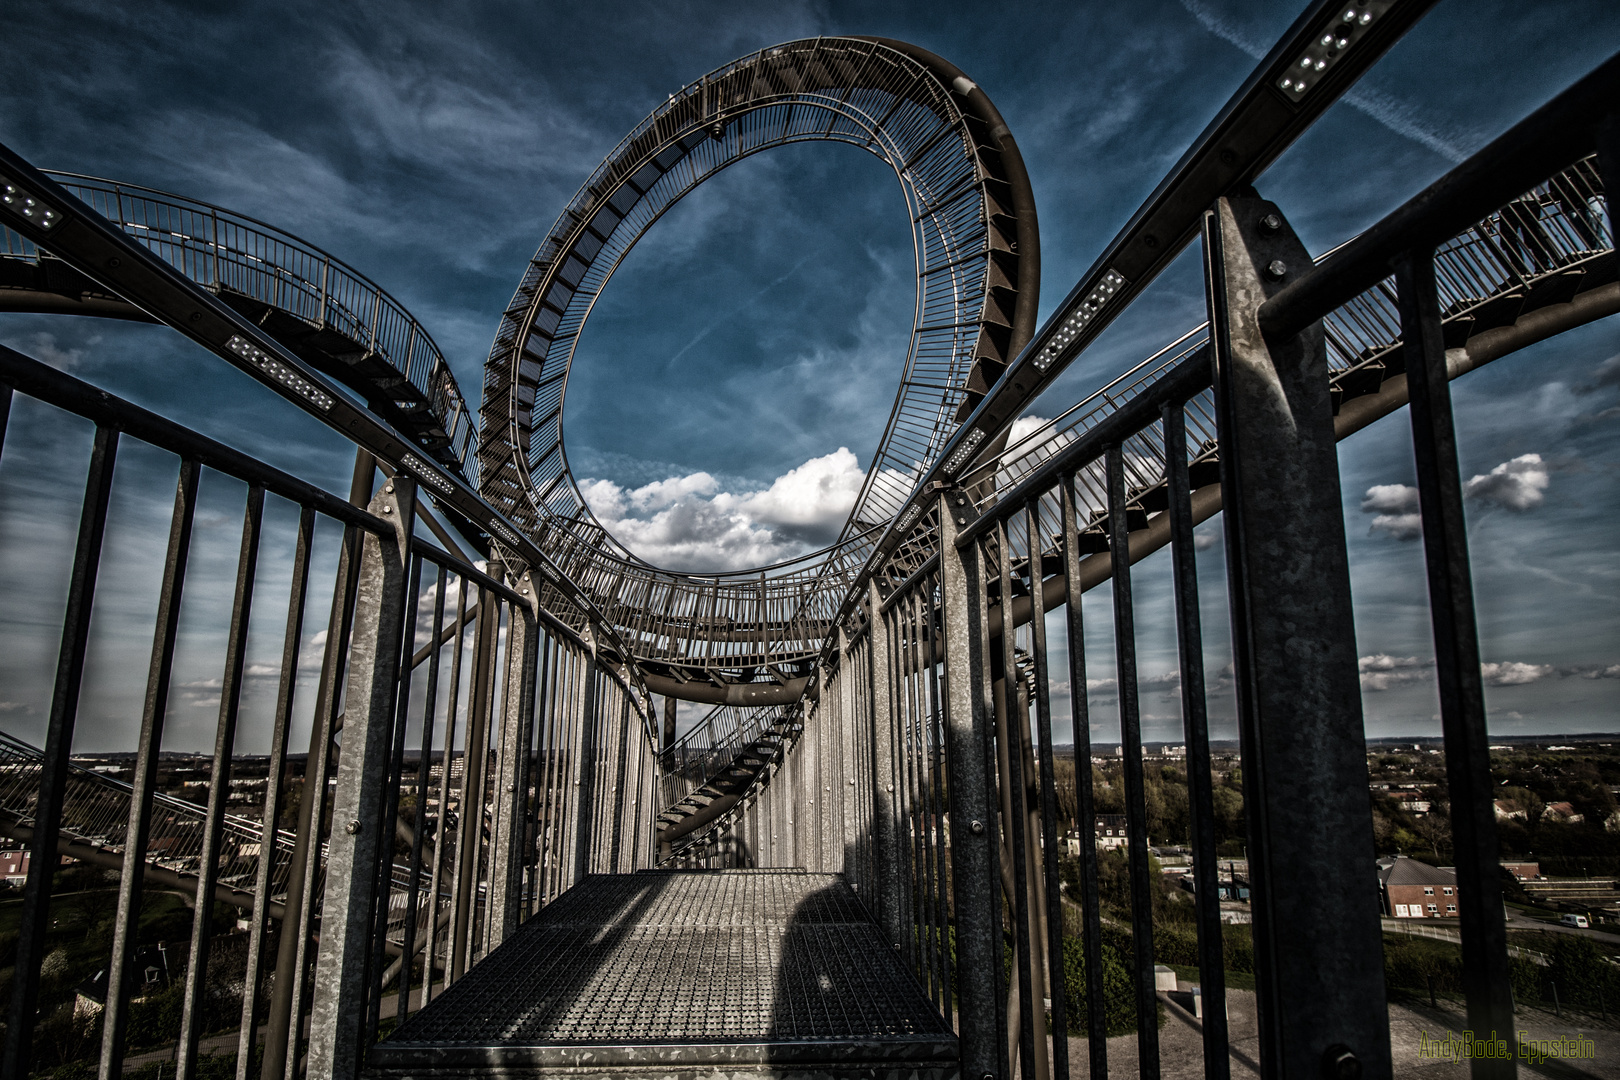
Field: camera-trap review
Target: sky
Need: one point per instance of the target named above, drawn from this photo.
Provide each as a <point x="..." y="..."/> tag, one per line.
<point x="736" y="375"/>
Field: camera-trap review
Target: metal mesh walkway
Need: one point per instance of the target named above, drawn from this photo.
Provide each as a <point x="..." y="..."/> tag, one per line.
<point x="683" y="969"/>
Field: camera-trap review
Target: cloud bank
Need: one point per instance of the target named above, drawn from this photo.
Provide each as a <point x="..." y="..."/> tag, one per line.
<point x="1381" y="671"/>
<point x="689" y="523"/>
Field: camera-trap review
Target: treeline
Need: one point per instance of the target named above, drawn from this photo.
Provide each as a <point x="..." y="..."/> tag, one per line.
<point x="1164" y="789"/>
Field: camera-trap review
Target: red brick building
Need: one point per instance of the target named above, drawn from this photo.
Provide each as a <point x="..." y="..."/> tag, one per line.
<point x="14" y="867"/>
<point x="1416" y="890"/>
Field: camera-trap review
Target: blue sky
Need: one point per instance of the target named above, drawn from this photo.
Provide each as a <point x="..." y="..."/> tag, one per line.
<point x="737" y="373"/>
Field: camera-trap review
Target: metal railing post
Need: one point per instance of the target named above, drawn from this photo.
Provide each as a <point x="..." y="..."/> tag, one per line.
<point x="1195" y="725"/>
<point x="219" y="786"/>
<point x="886" y="855"/>
<point x="973" y="826"/>
<point x="1318" y="948"/>
<point x="1456" y="655"/>
<point x="33" y="924"/>
<point x="510" y="847"/>
<point x="126" y="925"/>
<point x="337" y="1014"/>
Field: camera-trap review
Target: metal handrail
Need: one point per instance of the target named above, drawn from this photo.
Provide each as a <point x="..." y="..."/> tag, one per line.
<point x="230" y="252"/>
<point x="709" y="749"/>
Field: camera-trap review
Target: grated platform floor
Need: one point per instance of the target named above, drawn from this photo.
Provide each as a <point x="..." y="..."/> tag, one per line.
<point x="696" y="968"/>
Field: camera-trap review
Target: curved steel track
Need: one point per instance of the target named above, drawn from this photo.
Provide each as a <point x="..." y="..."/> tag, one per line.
<point x="977" y="266"/>
<point x="753" y="638"/>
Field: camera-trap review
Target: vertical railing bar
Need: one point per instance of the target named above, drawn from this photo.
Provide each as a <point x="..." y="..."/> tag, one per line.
<point x="1011" y="764"/>
<point x="1195" y="723"/>
<point x="316" y="798"/>
<point x="386" y="826"/>
<point x="441" y="836"/>
<point x="545" y="812"/>
<point x="33" y="922"/>
<point x="470" y="826"/>
<point x="1055" y="986"/>
<point x="928" y="776"/>
<point x="918" y="848"/>
<point x="143" y="783"/>
<point x="1130" y="724"/>
<point x="1457" y="659"/>
<point x="253" y="976"/>
<point x="424" y="766"/>
<point x="219" y="788"/>
<point x="935" y="661"/>
<point x="568" y="764"/>
<point x="535" y="818"/>
<point x="289" y="952"/>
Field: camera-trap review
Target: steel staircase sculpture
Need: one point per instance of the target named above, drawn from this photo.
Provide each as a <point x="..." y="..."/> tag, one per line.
<point x="878" y="765"/>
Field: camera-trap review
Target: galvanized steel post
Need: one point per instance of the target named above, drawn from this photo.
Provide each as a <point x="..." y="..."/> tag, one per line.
<point x="338" y="1011"/>
<point x="1318" y="951"/>
<point x="973" y="826"/>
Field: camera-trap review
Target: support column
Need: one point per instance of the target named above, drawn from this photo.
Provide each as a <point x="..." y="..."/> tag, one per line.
<point x="968" y="722"/>
<point x="338" y="1011"/>
<point x="1317" y="940"/>
<point x="509" y="848"/>
<point x="886" y="853"/>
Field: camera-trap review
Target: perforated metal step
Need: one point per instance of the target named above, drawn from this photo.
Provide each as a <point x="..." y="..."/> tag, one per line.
<point x="684" y="973"/>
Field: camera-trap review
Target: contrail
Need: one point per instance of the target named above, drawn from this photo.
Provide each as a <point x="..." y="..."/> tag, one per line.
<point x="745" y="305"/>
<point x="1396" y="115"/>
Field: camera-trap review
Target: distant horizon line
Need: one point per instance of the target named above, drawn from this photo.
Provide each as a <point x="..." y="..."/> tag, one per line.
<point x="1381" y="740"/>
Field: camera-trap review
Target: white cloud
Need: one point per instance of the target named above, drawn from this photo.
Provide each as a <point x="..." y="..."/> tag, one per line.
<point x="1390" y="499"/>
<point x="1516" y="485"/>
<point x="1513" y="673"/>
<point x="1023" y="426"/>
<point x="816" y="497"/>
<point x="1396" y="507"/>
<point x="1381" y="671"/>
<point x="1205" y="540"/>
<point x="688" y="523"/>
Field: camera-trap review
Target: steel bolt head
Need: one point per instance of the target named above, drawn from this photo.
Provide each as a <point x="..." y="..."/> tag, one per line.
<point x="976" y="828"/>
<point x="352" y="828"/>
<point x="1276" y="270"/>
<point x="1271" y="223"/>
<point x="1339" y="1062"/>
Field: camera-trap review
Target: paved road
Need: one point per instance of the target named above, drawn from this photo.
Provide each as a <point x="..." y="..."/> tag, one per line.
<point x="1519" y="921"/>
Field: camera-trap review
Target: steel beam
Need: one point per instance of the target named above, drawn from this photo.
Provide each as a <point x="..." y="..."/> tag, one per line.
<point x="969" y="721"/>
<point x="1318" y="950"/>
<point x="337" y="1015"/>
